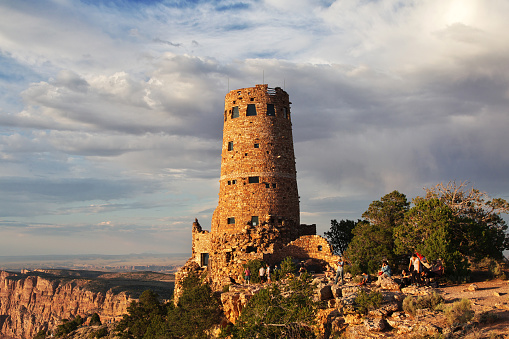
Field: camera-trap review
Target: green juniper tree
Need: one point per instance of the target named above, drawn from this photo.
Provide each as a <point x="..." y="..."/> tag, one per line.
<point x="340" y="234"/>
<point x="373" y="238"/>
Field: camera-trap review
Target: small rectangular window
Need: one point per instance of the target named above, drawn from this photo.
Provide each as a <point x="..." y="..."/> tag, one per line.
<point x="235" y="112"/>
<point x="251" y="110"/>
<point x="270" y="110"/>
<point x="273" y="185"/>
<point x="285" y="112"/>
<point x="229" y="182"/>
<point x="254" y="220"/>
<point x="230" y="145"/>
<point x="204" y="259"/>
<point x="231" y="221"/>
<point x="234" y="182"/>
<point x="267" y="185"/>
<point x="254" y="180"/>
<point x="252" y="99"/>
<point x="256" y="145"/>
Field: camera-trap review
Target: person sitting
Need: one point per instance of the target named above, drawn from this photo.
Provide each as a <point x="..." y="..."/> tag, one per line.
<point x="436" y="271"/>
<point x="406" y="278"/>
<point x="364" y="279"/>
<point x="386" y="269"/>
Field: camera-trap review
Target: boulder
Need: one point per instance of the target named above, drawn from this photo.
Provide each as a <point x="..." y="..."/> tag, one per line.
<point x="325" y="293"/>
<point x="374" y="324"/>
<point x="336" y="291"/>
<point x="387" y="283"/>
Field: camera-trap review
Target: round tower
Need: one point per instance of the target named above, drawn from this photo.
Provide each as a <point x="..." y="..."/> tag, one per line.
<point x="258" y="181"/>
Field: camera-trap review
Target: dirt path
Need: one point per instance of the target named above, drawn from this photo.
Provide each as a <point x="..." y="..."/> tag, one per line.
<point x="490" y="296"/>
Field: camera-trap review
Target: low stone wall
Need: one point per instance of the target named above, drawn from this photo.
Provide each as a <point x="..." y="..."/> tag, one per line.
<point x="305" y="247"/>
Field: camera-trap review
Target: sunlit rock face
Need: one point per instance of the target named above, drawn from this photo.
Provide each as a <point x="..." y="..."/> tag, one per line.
<point x="30" y="303"/>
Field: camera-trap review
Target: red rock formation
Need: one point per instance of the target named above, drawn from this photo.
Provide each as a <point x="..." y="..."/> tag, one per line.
<point x="29" y="304"/>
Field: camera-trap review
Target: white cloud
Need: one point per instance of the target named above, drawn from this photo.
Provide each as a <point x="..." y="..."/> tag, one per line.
<point x="114" y="114"/>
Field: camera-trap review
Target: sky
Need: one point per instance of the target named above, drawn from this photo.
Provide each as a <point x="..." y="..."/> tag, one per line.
<point x="111" y="110"/>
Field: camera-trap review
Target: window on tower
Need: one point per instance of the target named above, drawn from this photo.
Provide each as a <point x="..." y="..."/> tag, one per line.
<point x="270" y="110"/>
<point x="231" y="221"/>
<point x="285" y="112"/>
<point x="256" y="145"/>
<point x="254" y="220"/>
<point x="254" y="180"/>
<point x="235" y="112"/>
<point x="230" y="145"/>
<point x="251" y="110"/>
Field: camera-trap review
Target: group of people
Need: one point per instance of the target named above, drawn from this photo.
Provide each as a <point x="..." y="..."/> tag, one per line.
<point x="265" y="273"/>
<point x="419" y="271"/>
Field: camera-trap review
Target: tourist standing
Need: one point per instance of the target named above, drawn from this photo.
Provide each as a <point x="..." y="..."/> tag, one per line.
<point x="416" y="268"/>
<point x="339" y="272"/>
<point x="261" y="273"/>
<point x="247" y="275"/>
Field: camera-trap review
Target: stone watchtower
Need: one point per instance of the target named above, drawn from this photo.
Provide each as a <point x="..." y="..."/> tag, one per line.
<point x="257" y="217"/>
<point x="258" y="178"/>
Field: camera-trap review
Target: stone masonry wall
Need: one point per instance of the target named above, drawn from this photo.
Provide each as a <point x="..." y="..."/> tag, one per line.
<point x="201" y="242"/>
<point x="309" y="246"/>
<point x="258" y="176"/>
<point x="258" y="214"/>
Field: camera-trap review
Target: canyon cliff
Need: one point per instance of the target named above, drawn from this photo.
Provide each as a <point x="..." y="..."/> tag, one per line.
<point x="33" y="302"/>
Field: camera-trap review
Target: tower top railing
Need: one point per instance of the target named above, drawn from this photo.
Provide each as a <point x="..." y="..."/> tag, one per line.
<point x="271" y="91"/>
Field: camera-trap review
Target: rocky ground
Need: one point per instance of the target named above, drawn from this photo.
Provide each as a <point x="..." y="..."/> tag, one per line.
<point x="489" y="300"/>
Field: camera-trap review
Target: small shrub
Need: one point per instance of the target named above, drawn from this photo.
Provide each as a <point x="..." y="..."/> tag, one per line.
<point x="487" y="318"/>
<point x="40" y="335"/>
<point x="287" y="266"/>
<point x="95" y="320"/>
<point x="459" y="312"/>
<point x="431" y="301"/>
<point x="368" y="301"/>
<point x="409" y="305"/>
<point x="101" y="332"/>
<point x="495" y="269"/>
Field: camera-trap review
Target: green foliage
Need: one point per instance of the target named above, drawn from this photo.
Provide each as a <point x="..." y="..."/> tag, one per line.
<point x="340" y="234"/>
<point x="373" y="238"/>
<point x="430" y="228"/>
<point x="364" y="302"/>
<point x="40" y="335"/>
<point x="287" y="267"/>
<point x="459" y="312"/>
<point x="278" y="311"/>
<point x="135" y="323"/>
<point x="197" y="311"/>
<point x="479" y="231"/>
<point x="68" y="326"/>
<point x="431" y="301"/>
<point x="100" y="333"/>
<point x="254" y="267"/>
<point x="95" y="320"/>
<point x="496" y="269"/>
